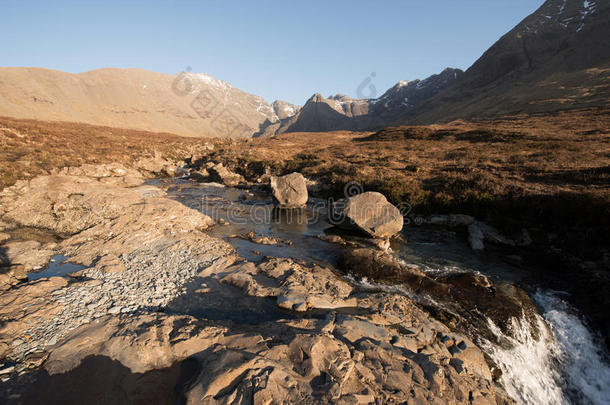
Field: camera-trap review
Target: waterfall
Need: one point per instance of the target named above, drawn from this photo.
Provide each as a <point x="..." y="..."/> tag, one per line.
<point x="565" y="364"/>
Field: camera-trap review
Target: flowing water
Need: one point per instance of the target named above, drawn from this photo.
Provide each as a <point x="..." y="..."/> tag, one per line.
<point x="554" y="359"/>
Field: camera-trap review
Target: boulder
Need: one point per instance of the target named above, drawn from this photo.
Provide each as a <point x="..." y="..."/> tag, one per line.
<point x="478" y="232"/>
<point x="221" y="174"/>
<point x="157" y="166"/>
<point x="370" y="213"/>
<point x="289" y="191"/>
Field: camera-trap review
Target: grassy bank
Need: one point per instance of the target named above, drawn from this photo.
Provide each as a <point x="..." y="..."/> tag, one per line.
<point x="30" y="148"/>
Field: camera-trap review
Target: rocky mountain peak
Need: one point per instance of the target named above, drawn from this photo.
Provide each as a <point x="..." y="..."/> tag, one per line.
<point x="341" y="112"/>
<point x="284" y="109"/>
<point x="569" y="15"/>
<point x="546" y="62"/>
<point x="315" y="98"/>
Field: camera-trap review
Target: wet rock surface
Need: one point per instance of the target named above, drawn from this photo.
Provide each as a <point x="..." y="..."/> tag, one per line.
<point x="22" y="257"/>
<point x="323" y="339"/>
<point x="127" y="242"/>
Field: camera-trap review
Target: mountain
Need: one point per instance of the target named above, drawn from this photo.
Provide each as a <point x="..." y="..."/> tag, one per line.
<point x="188" y="104"/>
<point x="341" y="112"/>
<point x="556" y="58"/>
<point x="284" y="109"/>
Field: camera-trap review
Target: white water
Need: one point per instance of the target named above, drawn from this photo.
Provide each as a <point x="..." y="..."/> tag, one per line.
<point x="584" y="361"/>
<point x="565" y="365"/>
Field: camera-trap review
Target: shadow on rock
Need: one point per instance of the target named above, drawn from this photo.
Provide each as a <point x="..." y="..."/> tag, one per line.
<point x="207" y="298"/>
<point x="101" y="380"/>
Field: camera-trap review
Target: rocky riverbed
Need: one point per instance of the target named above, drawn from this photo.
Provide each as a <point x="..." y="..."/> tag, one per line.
<point x="167" y="307"/>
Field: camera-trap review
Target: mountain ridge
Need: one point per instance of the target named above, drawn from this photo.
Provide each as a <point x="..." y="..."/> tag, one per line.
<point x="190" y="104"/>
<point x="341" y="112"/>
<point x="556" y="58"/>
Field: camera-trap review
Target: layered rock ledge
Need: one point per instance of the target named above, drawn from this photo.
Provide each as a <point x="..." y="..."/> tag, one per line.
<point x="328" y="341"/>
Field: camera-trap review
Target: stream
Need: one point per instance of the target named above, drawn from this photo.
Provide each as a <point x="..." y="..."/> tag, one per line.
<point x="554" y="359"/>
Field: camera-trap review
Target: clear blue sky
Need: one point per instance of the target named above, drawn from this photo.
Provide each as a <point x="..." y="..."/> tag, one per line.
<point x="276" y="49"/>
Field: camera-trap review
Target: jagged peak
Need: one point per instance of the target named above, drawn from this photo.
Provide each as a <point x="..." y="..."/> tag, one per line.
<point x="316" y="98"/>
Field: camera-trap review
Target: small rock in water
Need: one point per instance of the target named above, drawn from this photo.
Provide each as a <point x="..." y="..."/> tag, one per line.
<point x="479" y="231"/>
<point x="332" y="239"/>
<point x="438" y="220"/>
<point x="262" y="239"/>
<point x="460" y="220"/>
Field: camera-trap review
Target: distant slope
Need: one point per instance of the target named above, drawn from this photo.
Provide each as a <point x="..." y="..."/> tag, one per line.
<point x="339" y="112"/>
<point x="556" y="58"/>
<point x="187" y="104"/>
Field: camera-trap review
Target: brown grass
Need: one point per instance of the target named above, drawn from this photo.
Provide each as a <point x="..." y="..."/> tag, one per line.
<point x="30" y="148"/>
<point x="549" y="173"/>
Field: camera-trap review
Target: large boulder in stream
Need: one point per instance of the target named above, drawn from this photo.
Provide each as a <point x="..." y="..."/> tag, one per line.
<point x="289" y="191"/>
<point x="370" y="213"/>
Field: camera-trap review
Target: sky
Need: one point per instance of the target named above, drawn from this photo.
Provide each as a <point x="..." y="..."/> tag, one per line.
<point x="284" y="50"/>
